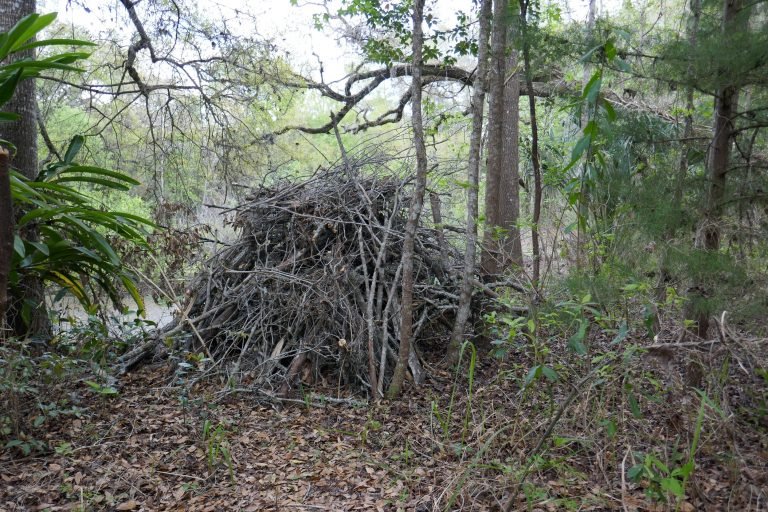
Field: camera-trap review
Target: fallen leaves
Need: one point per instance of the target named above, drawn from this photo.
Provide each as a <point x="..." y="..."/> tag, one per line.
<point x="128" y="505"/>
<point x="147" y="452"/>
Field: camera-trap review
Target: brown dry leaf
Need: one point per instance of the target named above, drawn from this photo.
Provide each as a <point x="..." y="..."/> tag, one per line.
<point x="128" y="505"/>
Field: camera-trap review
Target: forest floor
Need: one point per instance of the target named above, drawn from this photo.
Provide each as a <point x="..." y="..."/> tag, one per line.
<point x="151" y="448"/>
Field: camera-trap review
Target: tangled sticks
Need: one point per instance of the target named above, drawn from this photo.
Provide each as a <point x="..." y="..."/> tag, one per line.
<point x="313" y="283"/>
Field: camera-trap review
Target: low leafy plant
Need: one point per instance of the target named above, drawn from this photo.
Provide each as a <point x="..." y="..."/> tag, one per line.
<point x="31" y="394"/>
<point x="216" y="445"/>
<point x="664" y="480"/>
<point x="73" y="231"/>
<point x="371" y="425"/>
<point x="661" y="480"/>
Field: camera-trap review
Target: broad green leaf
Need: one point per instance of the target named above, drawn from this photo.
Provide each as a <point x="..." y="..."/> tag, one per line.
<point x="532" y="374"/>
<point x="33" y="67"/>
<point x="134" y="292"/>
<point x="576" y="342"/>
<point x="14" y="36"/>
<point x="18" y="246"/>
<point x="673" y="485"/>
<point x="96" y="181"/>
<point x="635" y="473"/>
<point x="685" y="470"/>
<point x="65" y="58"/>
<point x="591" y="128"/>
<point x="39" y="22"/>
<point x="89" y="253"/>
<point x="44" y="213"/>
<point x="8" y="87"/>
<point x="9" y="117"/>
<point x="88" y="169"/>
<point x="579" y="148"/>
<point x="74" y="148"/>
<point x="54" y="42"/>
<point x="610" y="113"/>
<point x="43" y="248"/>
<point x="549" y="373"/>
<point x="592" y="89"/>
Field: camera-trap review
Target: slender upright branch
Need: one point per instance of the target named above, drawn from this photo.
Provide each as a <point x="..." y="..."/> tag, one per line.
<point x="414" y="211"/>
<point x="473" y="173"/>
<point x="524" y="4"/>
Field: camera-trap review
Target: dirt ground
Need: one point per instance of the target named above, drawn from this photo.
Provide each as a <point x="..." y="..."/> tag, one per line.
<point x="153" y="447"/>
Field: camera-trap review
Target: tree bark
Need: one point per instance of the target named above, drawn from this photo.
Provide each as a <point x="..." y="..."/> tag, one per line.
<point x="6" y="237"/>
<point x="23" y="135"/>
<point x="473" y="172"/>
<point x="414" y="211"/>
<point x="501" y="237"/>
<point x="726" y="106"/>
<point x="509" y="185"/>
<point x="490" y="258"/>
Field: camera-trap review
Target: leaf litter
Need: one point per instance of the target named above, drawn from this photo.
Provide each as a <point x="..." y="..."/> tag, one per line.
<point x="155" y="448"/>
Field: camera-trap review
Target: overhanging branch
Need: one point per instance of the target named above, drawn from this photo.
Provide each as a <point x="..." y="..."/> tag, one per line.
<point x="368" y="81"/>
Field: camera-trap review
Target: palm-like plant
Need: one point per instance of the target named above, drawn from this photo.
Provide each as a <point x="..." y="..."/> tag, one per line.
<point x="73" y="238"/>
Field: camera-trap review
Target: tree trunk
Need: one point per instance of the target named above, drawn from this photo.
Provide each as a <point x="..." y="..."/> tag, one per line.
<point x="726" y="106"/>
<point x="524" y="4"/>
<point x="509" y="186"/>
<point x="473" y="173"/>
<point x="23" y="135"/>
<point x="490" y="258"/>
<point x="501" y="237"/>
<point x="414" y="211"/>
<point x="6" y="237"/>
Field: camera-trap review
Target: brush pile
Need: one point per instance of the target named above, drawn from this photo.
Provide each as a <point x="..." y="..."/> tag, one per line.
<point x="316" y="272"/>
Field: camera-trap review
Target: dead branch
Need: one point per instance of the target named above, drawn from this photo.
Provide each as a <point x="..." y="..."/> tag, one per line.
<point x="310" y="291"/>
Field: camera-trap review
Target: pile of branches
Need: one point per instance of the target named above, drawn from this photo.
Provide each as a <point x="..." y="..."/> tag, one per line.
<point x="314" y="281"/>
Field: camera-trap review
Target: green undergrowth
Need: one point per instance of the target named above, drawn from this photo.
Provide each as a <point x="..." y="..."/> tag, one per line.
<point x="578" y="397"/>
<point x="43" y="381"/>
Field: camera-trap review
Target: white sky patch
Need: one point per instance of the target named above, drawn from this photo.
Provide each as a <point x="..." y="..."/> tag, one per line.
<point x="292" y="27"/>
